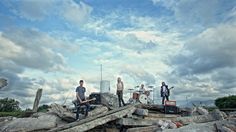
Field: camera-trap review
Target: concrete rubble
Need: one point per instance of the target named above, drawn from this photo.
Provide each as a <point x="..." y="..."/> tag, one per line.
<point x="107" y="117"/>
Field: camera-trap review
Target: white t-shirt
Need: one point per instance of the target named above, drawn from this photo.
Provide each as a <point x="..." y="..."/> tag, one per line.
<point x="164" y="90"/>
<point x="119" y="86"/>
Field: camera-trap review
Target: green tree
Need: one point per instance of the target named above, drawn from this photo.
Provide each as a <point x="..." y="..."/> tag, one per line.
<point x="9" y="105"/>
<point x="43" y="108"/>
<point x="226" y="102"/>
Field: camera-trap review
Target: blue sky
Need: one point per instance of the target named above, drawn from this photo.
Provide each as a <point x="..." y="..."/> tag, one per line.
<point x="53" y="44"/>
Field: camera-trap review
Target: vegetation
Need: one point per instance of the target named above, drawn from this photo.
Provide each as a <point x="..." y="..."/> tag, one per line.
<point x="226" y="102"/>
<point x="15" y="114"/>
<point x="43" y="108"/>
<point x="9" y="105"/>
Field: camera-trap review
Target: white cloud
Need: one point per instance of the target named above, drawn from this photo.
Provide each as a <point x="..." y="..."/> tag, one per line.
<point x="76" y="13"/>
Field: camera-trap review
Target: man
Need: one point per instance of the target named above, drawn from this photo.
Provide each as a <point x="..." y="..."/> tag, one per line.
<point x="142" y="89"/>
<point x="80" y="96"/>
<point x="119" y="91"/>
<point x="165" y="92"/>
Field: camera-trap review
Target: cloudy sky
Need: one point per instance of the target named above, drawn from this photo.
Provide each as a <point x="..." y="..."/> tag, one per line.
<point x="190" y="44"/>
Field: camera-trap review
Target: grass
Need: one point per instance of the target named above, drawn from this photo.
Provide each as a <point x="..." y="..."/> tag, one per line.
<point x="14" y="114"/>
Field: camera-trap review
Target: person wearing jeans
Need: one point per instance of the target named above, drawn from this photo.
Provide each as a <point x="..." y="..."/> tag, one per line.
<point x="80" y="96"/>
<point x="165" y="92"/>
<point x="119" y="92"/>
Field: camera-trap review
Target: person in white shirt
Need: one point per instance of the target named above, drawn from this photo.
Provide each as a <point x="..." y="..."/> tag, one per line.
<point x="142" y="89"/>
<point x="119" y="91"/>
<point x="165" y="92"/>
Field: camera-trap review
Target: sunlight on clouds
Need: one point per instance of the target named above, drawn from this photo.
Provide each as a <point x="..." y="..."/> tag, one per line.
<point x="76" y="13"/>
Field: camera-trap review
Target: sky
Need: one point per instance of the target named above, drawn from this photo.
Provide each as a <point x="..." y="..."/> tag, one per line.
<point x="52" y="44"/>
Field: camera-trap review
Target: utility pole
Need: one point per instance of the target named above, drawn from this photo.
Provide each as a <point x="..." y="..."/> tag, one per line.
<point x="101" y="72"/>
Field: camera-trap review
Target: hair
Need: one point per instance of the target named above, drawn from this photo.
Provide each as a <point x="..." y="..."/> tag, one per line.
<point x="81" y="81"/>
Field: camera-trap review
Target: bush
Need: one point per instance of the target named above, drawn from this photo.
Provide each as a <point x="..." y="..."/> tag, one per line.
<point x="226" y="102"/>
<point x="9" y="105"/>
<point x="15" y="114"/>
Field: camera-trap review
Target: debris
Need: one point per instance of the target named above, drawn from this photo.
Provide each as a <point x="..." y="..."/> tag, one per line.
<point x="144" y="129"/>
<point x="43" y="122"/>
<point x="92" y="122"/>
<point x="213" y="116"/>
<point x="135" y="123"/>
<point x="105" y="115"/>
<point x="63" y="113"/>
<point x="141" y="112"/>
<point x="199" y="111"/>
<point x="98" y="110"/>
<point x="109" y="100"/>
<point x="37" y="99"/>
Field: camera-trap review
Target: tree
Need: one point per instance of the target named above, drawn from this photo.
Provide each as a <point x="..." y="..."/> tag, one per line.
<point x="226" y="102"/>
<point x="43" y="108"/>
<point x="9" y="105"/>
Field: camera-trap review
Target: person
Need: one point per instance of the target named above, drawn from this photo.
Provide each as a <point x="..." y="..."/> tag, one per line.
<point x="165" y="92"/>
<point x="80" y="96"/>
<point x="119" y="92"/>
<point x="142" y="89"/>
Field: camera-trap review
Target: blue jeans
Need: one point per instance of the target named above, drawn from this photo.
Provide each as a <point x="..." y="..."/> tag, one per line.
<point x="86" y="111"/>
<point x="163" y="99"/>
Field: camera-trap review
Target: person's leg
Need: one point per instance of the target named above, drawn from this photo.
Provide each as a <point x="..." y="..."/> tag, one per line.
<point x="119" y="98"/>
<point x="167" y="98"/>
<point x="77" y="112"/>
<point x="163" y="99"/>
<point x="123" y="102"/>
<point x="87" y="109"/>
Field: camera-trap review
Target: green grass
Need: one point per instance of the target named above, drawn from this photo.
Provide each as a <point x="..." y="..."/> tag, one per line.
<point x="14" y="114"/>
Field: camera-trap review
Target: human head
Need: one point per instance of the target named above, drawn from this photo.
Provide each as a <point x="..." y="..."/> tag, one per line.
<point x="163" y="83"/>
<point x="142" y="85"/>
<point x="81" y="82"/>
<point x="118" y="79"/>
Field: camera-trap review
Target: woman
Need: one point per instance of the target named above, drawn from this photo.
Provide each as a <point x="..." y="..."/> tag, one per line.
<point x="119" y="92"/>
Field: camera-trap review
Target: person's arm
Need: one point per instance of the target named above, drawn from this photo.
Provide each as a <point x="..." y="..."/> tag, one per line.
<point x="122" y="86"/>
<point x="161" y="91"/>
<point x="78" y="98"/>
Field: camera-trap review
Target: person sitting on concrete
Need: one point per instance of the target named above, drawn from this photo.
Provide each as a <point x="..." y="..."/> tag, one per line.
<point x="142" y="89"/>
<point x="80" y="96"/>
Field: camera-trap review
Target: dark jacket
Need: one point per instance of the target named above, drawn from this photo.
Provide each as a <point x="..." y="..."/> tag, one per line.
<point x="162" y="92"/>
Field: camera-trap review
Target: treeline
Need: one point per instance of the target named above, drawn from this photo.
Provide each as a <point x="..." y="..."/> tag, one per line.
<point x="226" y="102"/>
<point x="11" y="107"/>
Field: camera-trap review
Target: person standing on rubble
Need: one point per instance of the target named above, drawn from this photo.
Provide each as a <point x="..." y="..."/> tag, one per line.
<point x="80" y="96"/>
<point x="165" y="92"/>
<point x="119" y="91"/>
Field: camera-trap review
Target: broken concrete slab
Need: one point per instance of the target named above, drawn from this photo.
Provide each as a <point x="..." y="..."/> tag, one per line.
<point x="194" y="127"/>
<point x="98" y="110"/>
<point x="215" y="126"/>
<point x="144" y="129"/>
<point x="43" y="122"/>
<point x="62" y="112"/>
<point x="92" y="122"/>
<point x="199" y="111"/>
<point x="109" y="100"/>
<point x="226" y="125"/>
<point x="213" y="116"/>
<point x="141" y="112"/>
<point x="133" y="122"/>
<point x="37" y="99"/>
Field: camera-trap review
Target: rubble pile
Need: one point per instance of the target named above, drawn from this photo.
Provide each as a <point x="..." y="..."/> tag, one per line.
<point x="131" y="118"/>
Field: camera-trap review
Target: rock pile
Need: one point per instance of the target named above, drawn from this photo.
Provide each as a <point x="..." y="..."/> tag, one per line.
<point x="130" y="118"/>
